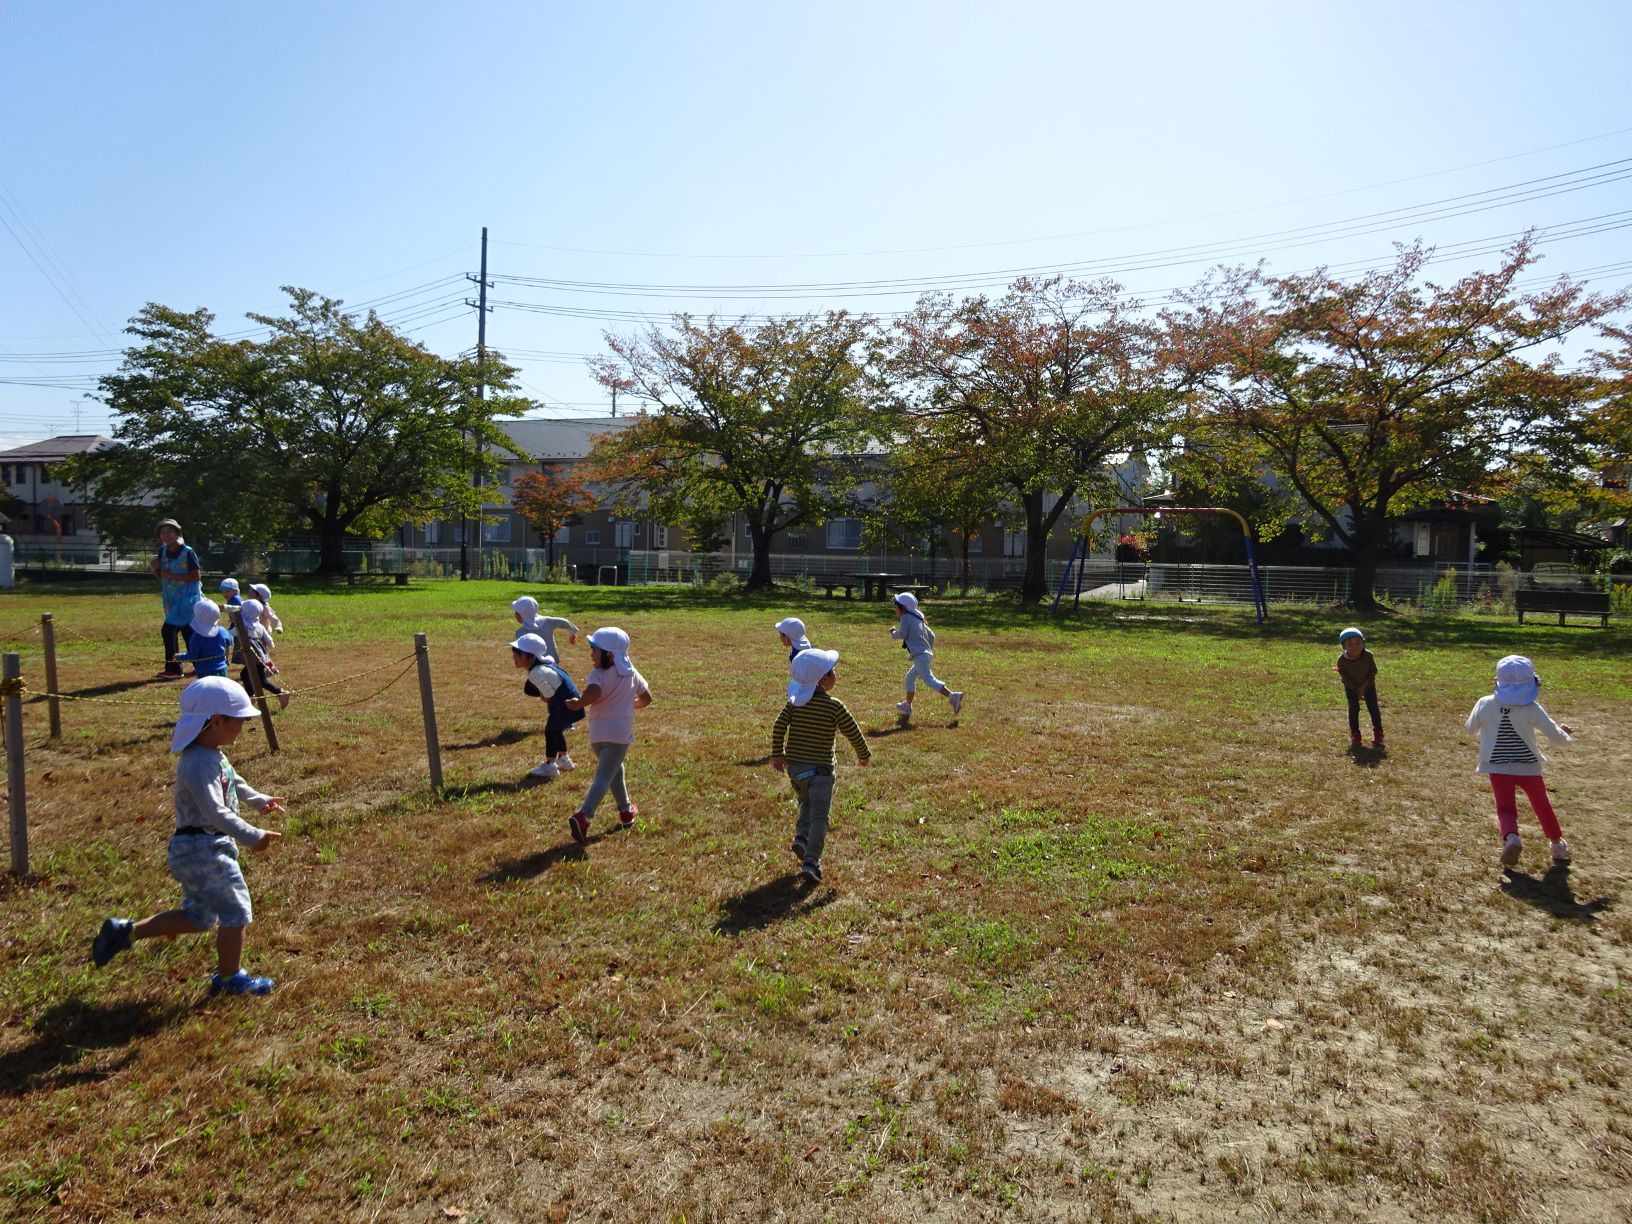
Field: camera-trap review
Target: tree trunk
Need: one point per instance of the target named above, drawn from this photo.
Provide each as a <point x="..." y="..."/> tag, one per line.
<point x="963" y="568"/>
<point x="331" y="556"/>
<point x="1034" y="586"/>
<point x="759" y="578"/>
<point x="1364" y="544"/>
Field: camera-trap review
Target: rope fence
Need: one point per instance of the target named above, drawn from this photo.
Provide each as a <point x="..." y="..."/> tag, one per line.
<point x="15" y="693"/>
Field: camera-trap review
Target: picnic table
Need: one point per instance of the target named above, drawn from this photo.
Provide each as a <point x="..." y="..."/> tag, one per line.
<point x="876" y="585"/>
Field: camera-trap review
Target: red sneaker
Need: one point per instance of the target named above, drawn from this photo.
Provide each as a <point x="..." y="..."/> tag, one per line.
<point x="627" y="818"/>
<point x="579" y="824"/>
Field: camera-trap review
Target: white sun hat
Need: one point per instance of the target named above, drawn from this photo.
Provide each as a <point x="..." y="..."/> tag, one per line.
<point x="808" y="668"/>
<point x="202" y="700"/>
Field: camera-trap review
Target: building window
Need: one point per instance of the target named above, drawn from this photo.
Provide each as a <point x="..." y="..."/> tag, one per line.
<point x="844" y="533"/>
<point x="747" y="531"/>
<point x="660" y="536"/>
<point x="496" y="531"/>
<point x="563" y="535"/>
<point x="433" y="533"/>
<point x="1014" y="543"/>
<point x="977" y="542"/>
<point x="591" y="536"/>
<point x="623" y="535"/>
<point x="1424" y="542"/>
<point x="799" y="540"/>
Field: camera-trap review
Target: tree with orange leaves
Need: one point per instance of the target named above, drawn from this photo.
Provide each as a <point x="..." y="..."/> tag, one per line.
<point x="549" y="500"/>
<point x="1376" y="396"/>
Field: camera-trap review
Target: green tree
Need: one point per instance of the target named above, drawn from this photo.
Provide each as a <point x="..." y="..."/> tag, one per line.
<point x="1374" y="397"/>
<point x="935" y="487"/>
<point x="1045" y="388"/>
<point x="765" y="422"/>
<point x="330" y="426"/>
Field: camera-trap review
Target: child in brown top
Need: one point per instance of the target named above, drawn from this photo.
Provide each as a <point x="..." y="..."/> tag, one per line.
<point x="1358" y="670"/>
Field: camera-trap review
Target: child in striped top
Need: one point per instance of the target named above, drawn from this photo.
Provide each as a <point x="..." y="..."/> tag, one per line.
<point x="802" y="747"/>
<point x="1506" y="722"/>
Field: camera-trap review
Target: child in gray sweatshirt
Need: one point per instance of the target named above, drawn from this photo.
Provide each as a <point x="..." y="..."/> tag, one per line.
<point x="918" y="640"/>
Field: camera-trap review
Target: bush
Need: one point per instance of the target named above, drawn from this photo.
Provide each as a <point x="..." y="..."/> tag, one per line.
<point x="1620" y="600"/>
<point x="1444" y="596"/>
<point x="726" y="582"/>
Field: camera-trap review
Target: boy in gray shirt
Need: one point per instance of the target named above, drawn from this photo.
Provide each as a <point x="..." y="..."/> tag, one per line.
<point x="203" y="851"/>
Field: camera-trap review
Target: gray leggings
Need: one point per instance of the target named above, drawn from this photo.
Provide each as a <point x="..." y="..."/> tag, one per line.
<point x="608" y="775"/>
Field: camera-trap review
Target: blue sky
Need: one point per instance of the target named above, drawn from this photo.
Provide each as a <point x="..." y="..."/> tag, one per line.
<point x="202" y="154"/>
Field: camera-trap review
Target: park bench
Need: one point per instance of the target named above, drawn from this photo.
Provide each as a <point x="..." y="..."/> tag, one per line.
<point x="830" y="584"/>
<point x="352" y="578"/>
<point x="1565" y="603"/>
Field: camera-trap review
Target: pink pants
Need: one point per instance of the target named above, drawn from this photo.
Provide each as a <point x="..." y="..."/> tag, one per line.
<point x="1503" y="787"/>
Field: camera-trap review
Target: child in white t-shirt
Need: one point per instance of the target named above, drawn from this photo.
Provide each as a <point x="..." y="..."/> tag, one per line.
<point x="612" y="693"/>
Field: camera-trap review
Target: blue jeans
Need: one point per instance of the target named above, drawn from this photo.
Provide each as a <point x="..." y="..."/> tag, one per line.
<point x="814" y="786"/>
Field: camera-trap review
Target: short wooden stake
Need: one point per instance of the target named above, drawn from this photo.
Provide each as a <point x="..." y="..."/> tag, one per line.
<point x="433" y="746"/>
<point x="11" y="679"/>
<point x="252" y="669"/>
<point x="53" y="704"/>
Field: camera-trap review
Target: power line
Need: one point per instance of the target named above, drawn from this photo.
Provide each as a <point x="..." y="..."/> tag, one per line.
<point x="970" y="246"/>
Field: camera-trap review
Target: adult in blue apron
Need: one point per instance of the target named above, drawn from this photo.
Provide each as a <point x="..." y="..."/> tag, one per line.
<point x="176" y="568"/>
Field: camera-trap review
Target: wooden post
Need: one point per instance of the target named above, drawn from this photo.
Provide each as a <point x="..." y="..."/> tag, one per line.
<point x="52" y="703"/>
<point x="433" y="746"/>
<point x="252" y="669"/>
<point x="11" y="674"/>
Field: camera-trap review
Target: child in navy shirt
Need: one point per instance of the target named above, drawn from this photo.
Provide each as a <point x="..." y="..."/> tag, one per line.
<point x="548" y="680"/>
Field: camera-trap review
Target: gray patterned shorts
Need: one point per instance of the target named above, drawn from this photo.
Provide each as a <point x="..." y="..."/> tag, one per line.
<point x="213" y="891"/>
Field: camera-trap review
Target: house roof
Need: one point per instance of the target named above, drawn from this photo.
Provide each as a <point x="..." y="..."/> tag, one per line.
<point x="57" y="448"/>
<point x="1550" y="538"/>
<point x="560" y="438"/>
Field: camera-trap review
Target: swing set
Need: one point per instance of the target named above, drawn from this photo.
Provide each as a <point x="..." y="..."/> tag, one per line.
<point x="1080" y="547"/>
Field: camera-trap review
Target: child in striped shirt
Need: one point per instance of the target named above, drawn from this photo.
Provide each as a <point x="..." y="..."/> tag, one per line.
<point x="802" y="747"/>
<point x="1506" y="722"/>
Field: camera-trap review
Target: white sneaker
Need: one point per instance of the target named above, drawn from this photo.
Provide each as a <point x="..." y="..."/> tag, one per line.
<point x="905" y="707"/>
<point x="1512" y="847"/>
<point x="563" y="763"/>
<point x="957" y="702"/>
<point x="1561" y="851"/>
<point x="546" y="770"/>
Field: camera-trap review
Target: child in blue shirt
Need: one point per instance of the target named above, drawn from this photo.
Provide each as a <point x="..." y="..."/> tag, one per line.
<point x="211" y="643"/>
<point x="203" y="850"/>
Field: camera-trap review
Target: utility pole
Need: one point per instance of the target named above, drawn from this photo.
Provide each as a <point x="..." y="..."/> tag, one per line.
<point x="481" y="394"/>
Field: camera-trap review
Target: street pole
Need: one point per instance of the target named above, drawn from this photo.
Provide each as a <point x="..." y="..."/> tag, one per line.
<point x="481" y="395"/>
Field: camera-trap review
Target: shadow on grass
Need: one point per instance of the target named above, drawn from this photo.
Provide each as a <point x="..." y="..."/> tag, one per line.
<point x="886" y="732"/>
<point x="1552" y="893"/>
<point x="509" y="786"/>
<point x="104" y="690"/>
<point x="501" y="739"/>
<point x="757" y="761"/>
<point x="65" y="1034"/>
<point x="786" y="896"/>
<point x="1367" y="758"/>
<point x="512" y="871"/>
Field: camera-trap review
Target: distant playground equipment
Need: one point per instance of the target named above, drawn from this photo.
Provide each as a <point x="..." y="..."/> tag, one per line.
<point x="1081" y="544"/>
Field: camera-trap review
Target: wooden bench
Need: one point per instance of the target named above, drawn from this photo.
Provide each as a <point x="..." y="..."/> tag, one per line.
<point x="831" y="585"/>
<point x="918" y="592"/>
<point x="1565" y="603"/>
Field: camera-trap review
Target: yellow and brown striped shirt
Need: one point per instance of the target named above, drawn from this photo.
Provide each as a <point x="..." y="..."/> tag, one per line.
<point x="808" y="731"/>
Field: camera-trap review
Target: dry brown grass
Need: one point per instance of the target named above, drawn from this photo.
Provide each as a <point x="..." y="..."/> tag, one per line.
<point x="1136" y="941"/>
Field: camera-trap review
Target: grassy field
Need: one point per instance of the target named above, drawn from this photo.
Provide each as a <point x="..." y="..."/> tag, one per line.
<point x="1138" y="940"/>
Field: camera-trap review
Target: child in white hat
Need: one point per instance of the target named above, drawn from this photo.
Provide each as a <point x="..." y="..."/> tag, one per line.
<point x="269" y="618"/>
<point x="918" y="640"/>
<point x="1357" y="668"/>
<point x="260" y="649"/>
<point x="612" y="693"/>
<point x="792" y="632"/>
<point x="802" y="746"/>
<point x="1506" y="722"/>
<point x="229" y="588"/>
<point x="211" y="643"/>
<point x="549" y="680"/>
<point x="203" y="851"/>
<point x="527" y="616"/>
